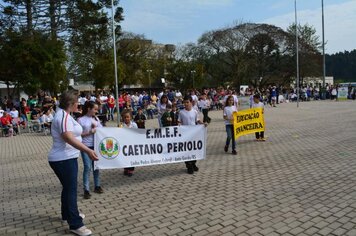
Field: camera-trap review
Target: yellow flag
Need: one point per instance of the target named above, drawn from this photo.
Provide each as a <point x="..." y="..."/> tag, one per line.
<point x="248" y="122"/>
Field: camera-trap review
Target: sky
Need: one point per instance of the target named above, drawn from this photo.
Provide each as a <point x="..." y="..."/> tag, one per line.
<point x="184" y="21"/>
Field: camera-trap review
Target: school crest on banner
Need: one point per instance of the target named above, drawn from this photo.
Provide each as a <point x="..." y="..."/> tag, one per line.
<point x="248" y="122"/>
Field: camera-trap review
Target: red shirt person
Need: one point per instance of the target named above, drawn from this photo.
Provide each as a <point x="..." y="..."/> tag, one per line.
<point x="111" y="105"/>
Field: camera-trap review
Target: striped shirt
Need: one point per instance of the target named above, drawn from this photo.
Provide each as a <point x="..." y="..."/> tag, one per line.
<point x="64" y="122"/>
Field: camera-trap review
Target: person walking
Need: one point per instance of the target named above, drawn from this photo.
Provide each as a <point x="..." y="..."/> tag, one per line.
<point x="189" y="116"/>
<point x="229" y="110"/>
<point x="62" y="158"/>
<point x="89" y="122"/>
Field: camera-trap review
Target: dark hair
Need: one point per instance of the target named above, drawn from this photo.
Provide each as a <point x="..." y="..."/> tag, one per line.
<point x="164" y="96"/>
<point x="227" y="100"/>
<point x="257" y="96"/>
<point x="126" y="111"/>
<point x="88" y="105"/>
<point x="67" y="99"/>
<point x="188" y="98"/>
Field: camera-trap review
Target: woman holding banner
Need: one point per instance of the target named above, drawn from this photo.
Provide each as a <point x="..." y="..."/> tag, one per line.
<point x="66" y="134"/>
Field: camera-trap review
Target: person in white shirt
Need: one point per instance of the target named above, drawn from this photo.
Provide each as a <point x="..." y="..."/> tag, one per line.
<point x="194" y="97"/>
<point x="204" y="105"/>
<point x="189" y="116"/>
<point x="229" y="110"/>
<point x="260" y="136"/>
<point x="66" y="135"/>
<point x="161" y="107"/>
<point x="89" y="123"/>
<point x="129" y="124"/>
<point x="14" y="113"/>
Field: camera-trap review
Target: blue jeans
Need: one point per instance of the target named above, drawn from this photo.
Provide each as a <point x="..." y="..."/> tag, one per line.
<point x="88" y="167"/>
<point x="67" y="173"/>
<point x="230" y="136"/>
<point x="111" y="113"/>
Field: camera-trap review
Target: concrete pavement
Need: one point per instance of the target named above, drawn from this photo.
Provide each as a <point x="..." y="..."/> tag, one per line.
<point x="301" y="181"/>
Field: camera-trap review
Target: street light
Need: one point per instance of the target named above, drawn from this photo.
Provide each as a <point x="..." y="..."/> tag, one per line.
<point x="297" y="49"/>
<point x="115" y="63"/>
<point x="323" y="36"/>
<point x="193" y="75"/>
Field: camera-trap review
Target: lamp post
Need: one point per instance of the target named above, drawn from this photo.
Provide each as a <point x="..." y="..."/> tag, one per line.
<point x="115" y="63"/>
<point x="296" y="49"/>
<point x="193" y="76"/>
<point x="323" y="36"/>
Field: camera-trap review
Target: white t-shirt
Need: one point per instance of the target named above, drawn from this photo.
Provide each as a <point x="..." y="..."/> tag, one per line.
<point x="204" y="104"/>
<point x="132" y="125"/>
<point x="86" y="122"/>
<point x="256" y="105"/>
<point x="188" y="117"/>
<point x="195" y="98"/>
<point x="82" y="100"/>
<point x="228" y="112"/>
<point x="14" y="114"/>
<point x="64" y="122"/>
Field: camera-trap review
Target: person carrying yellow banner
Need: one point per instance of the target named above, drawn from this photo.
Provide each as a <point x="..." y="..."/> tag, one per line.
<point x="248" y="121"/>
<point x="258" y="104"/>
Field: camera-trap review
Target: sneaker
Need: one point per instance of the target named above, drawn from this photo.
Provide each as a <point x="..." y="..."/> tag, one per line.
<point x="263" y="139"/>
<point x="87" y="195"/>
<point x="234" y="152"/>
<point x="126" y="172"/>
<point x="130" y="173"/>
<point x="257" y="139"/>
<point x="80" y="214"/>
<point x="82" y="231"/>
<point x="195" y="168"/>
<point x="190" y="171"/>
<point x="98" y="190"/>
<point x="226" y="148"/>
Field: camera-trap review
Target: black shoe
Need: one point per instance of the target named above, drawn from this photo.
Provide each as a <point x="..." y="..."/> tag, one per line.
<point x="87" y="195"/>
<point x="226" y="148"/>
<point x="98" y="190"/>
<point x="234" y="152"/>
<point x="190" y="171"/>
<point x="195" y="168"/>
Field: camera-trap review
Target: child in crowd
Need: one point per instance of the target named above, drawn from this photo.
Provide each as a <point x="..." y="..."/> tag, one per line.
<point x="189" y="116"/>
<point x="256" y="104"/>
<point x="128" y="123"/>
<point x="166" y="119"/>
<point x="140" y="118"/>
<point x="174" y="115"/>
<point x="89" y="121"/>
<point x="229" y="110"/>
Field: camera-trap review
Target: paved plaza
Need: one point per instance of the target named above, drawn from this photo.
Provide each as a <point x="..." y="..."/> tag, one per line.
<point x="301" y="181"/>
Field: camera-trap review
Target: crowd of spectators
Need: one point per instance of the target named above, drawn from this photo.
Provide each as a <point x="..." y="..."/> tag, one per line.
<point x="37" y="111"/>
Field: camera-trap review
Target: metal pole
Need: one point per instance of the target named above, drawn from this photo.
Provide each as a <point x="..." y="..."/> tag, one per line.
<point x="323" y="33"/>
<point x="297" y="49"/>
<point x="115" y="64"/>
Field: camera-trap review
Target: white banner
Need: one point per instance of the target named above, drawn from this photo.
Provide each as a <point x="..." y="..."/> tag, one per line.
<point x="123" y="147"/>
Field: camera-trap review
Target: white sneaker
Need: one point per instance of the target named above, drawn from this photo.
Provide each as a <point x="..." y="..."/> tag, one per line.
<point x="80" y="214"/>
<point x="82" y="231"/>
